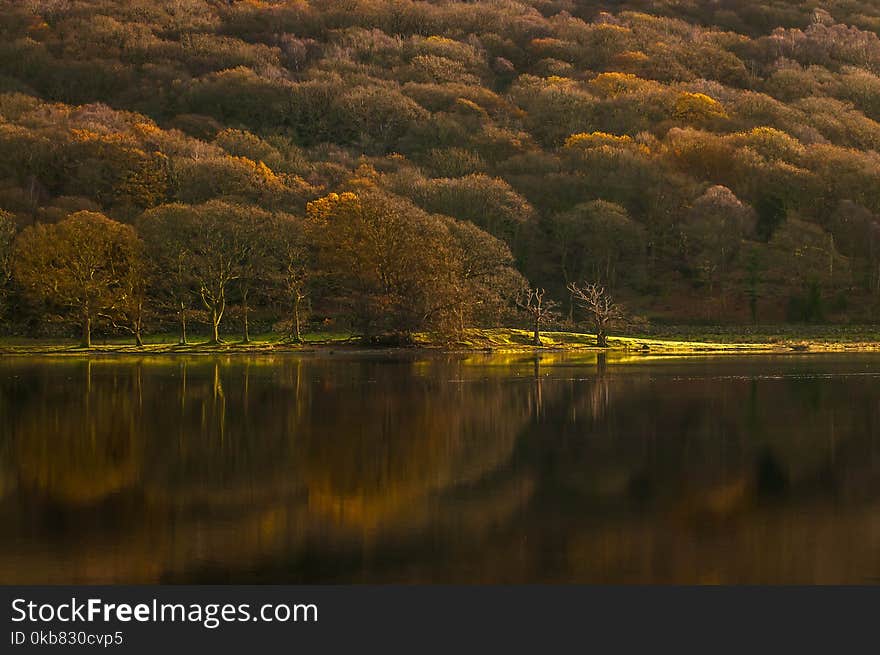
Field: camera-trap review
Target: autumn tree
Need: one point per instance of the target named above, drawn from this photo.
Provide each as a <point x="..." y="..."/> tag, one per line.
<point x="602" y="310"/>
<point x="490" y="203"/>
<point x="398" y="268"/>
<point x="382" y="254"/>
<point x="114" y="170"/>
<point x="79" y="266"/>
<point x="582" y="138"/>
<point x="484" y="278"/>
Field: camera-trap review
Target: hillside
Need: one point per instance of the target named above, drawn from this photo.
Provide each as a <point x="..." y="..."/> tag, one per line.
<point x="707" y="162"/>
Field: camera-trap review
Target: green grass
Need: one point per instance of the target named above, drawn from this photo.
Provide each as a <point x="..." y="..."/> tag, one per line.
<point x="677" y="340"/>
<point x="508" y="339"/>
<point x="667" y="339"/>
<point x="167" y="343"/>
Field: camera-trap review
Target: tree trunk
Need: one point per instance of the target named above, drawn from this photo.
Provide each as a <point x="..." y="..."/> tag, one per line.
<point x="215" y="326"/>
<point x="297" y="334"/>
<point x="601" y="338"/>
<point x="182" y="340"/>
<point x="245" y="310"/>
<point x="87" y="332"/>
<point x="138" y="340"/>
<point x="536" y="338"/>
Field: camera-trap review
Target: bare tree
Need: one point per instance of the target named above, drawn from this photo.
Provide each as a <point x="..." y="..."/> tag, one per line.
<point x="169" y="262"/>
<point x="541" y="311"/>
<point x="129" y="308"/>
<point x="598" y="304"/>
<point x="197" y="252"/>
<point x="220" y="240"/>
<point x="292" y="268"/>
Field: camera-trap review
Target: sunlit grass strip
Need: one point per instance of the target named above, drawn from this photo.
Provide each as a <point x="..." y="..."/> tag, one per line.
<point x="488" y="339"/>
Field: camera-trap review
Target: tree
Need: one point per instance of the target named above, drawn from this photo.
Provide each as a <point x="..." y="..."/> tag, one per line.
<point x="129" y="307"/>
<point x="254" y="235"/>
<point x="484" y="280"/>
<point x="201" y="251"/>
<point x="541" y="311"/>
<point x="772" y="212"/>
<point x="711" y="234"/>
<point x="599" y="306"/>
<point x="387" y="260"/>
<point x="490" y="203"/>
<point x="165" y="231"/>
<point x="400" y="269"/>
<point x="78" y="265"/>
<point x="293" y="270"/>
<point x="598" y="239"/>
<point x="7" y="245"/>
<point x="220" y="240"/>
<point x="114" y="170"/>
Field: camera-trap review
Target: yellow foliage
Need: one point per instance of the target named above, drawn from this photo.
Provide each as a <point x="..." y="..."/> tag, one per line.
<point x="556" y="80"/>
<point x="616" y="83"/>
<point x="147" y="129"/>
<point x="265" y="174"/>
<point x="770" y="143"/>
<point x="596" y="139"/>
<point x="697" y="107"/>
<point x="366" y="175"/>
<point x="259" y="173"/>
<point x="114" y="139"/>
<point x="322" y="209"/>
<point x="611" y="27"/>
<point x="547" y="43"/>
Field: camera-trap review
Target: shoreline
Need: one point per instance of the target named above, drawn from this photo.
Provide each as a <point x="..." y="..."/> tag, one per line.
<point x="495" y="340"/>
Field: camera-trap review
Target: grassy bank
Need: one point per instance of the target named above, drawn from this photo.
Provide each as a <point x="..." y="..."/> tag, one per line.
<point x="672" y="340"/>
<point x="685" y="340"/>
<point x="167" y="344"/>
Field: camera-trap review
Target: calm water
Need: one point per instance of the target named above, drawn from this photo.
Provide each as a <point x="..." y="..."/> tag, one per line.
<point x="357" y="468"/>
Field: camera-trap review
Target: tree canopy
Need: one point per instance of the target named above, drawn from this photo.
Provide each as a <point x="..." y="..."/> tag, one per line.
<point x="677" y="153"/>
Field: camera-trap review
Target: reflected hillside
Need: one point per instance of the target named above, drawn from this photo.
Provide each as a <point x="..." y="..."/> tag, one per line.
<point x="476" y="468"/>
<point x="224" y="463"/>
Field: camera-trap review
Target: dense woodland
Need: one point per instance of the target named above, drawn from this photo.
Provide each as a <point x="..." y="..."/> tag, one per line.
<point x="391" y="166"/>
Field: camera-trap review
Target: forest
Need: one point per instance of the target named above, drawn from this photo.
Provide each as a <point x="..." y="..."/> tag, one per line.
<point x="392" y="166"/>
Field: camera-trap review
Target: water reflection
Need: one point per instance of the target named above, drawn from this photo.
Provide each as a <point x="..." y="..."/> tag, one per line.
<point x="478" y="468"/>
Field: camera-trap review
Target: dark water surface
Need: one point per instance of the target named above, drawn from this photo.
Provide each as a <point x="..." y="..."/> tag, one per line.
<point x="472" y="468"/>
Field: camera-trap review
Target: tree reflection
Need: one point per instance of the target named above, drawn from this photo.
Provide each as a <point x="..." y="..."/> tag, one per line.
<point x="253" y="457"/>
<point x="452" y="469"/>
<point x="79" y="443"/>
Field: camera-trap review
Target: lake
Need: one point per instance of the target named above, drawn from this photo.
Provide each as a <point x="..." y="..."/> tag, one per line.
<point x="341" y="468"/>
